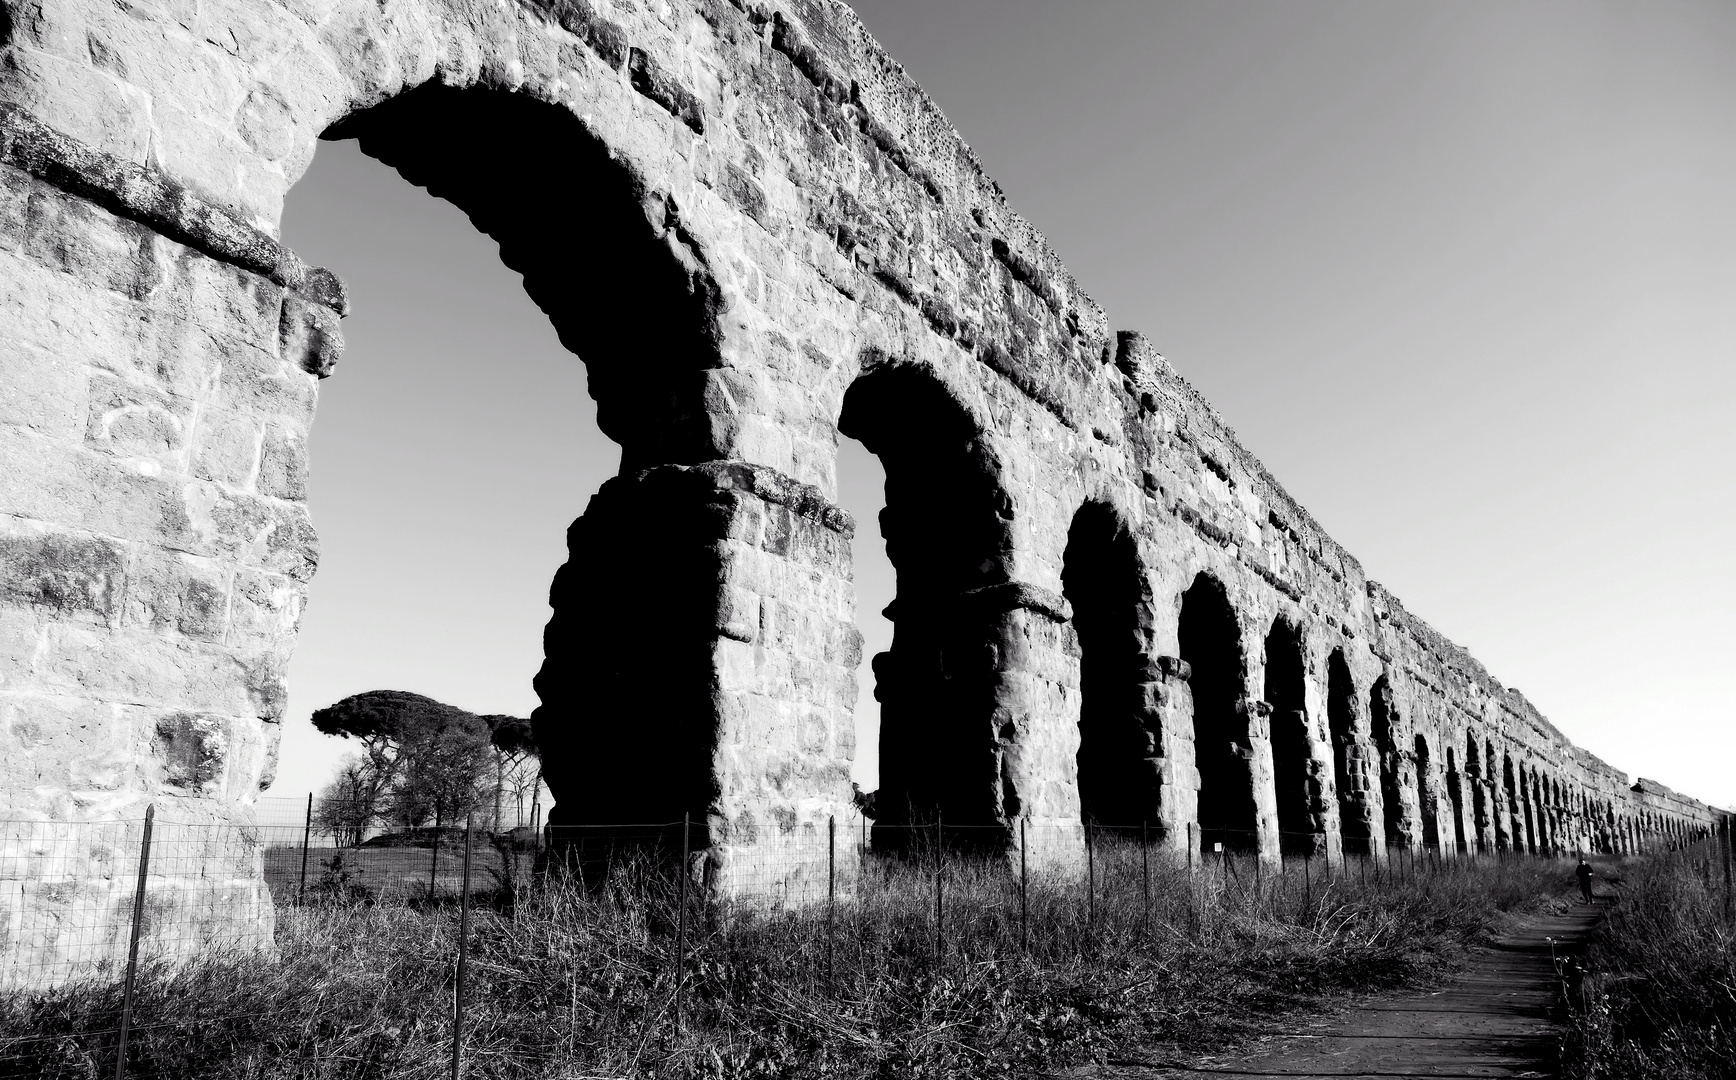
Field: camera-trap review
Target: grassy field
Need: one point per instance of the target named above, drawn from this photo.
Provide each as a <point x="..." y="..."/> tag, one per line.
<point x="1655" y="995"/>
<point x="388" y="874"/>
<point x="566" y="982"/>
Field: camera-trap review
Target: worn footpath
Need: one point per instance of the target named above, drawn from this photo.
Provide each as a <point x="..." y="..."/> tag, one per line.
<point x="1495" y="1019"/>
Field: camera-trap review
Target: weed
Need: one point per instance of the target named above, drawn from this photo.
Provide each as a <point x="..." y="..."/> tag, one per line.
<point x="569" y="981"/>
<point x="1656" y="993"/>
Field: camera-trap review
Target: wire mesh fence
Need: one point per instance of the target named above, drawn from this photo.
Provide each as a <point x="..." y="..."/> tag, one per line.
<point x="88" y="905"/>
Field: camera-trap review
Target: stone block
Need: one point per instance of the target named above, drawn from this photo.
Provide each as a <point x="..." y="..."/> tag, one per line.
<point x="133" y="421"/>
<point x="264" y="608"/>
<point x="174" y="591"/>
<point x="261" y="533"/>
<point x="283" y="464"/>
<point x="43" y="392"/>
<point x="252" y="384"/>
<point x="133" y="666"/>
<point x="65" y="575"/>
<point x="90" y="105"/>
<point x="51" y="481"/>
<point x="226" y="448"/>
<point x="22" y="631"/>
<point x="738" y="613"/>
<point x="192" y="751"/>
<point x="75" y="237"/>
<point x="67" y="743"/>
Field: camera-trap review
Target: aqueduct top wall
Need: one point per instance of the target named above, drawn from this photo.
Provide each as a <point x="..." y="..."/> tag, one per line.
<point x="754" y="228"/>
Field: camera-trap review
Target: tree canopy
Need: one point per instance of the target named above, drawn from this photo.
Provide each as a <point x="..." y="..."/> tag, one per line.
<point x="421" y="760"/>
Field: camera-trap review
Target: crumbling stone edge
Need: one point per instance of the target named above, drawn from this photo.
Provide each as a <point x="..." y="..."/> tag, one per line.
<point x="746" y="477"/>
<point x="152" y="199"/>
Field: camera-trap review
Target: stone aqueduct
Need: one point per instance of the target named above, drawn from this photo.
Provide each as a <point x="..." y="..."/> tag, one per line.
<point x="757" y="233"/>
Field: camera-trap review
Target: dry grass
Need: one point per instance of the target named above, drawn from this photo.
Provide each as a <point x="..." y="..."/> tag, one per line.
<point x="1658" y="993"/>
<point x="566" y="983"/>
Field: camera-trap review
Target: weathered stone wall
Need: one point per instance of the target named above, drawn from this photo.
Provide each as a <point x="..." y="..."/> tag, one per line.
<point x="755" y="230"/>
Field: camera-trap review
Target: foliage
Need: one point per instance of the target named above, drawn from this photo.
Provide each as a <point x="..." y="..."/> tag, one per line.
<point x="570" y="981"/>
<point x="350" y="804"/>
<point x="421" y="760"/>
<point x="1657" y="996"/>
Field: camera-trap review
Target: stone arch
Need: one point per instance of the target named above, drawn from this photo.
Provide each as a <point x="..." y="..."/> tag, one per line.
<point x="1456" y="797"/>
<point x="1426" y="793"/>
<point x="947" y="748"/>
<point x="1349" y="766"/>
<point x="1120" y="732"/>
<point x="1296" y="783"/>
<point x="1497" y="807"/>
<point x="521" y="168"/>
<point x="1514" y="822"/>
<point x="1526" y="824"/>
<point x="641" y="311"/>
<point x="1211" y="646"/>
<point x="1383" y="723"/>
<point x="1480" y="813"/>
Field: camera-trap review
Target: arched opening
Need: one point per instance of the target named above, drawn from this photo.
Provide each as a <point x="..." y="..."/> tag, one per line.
<point x="1353" y="818"/>
<point x="1211" y="645"/>
<point x="1426" y="794"/>
<point x="861" y="486"/>
<point x="1383" y="722"/>
<point x="1456" y="796"/>
<point x="633" y="697"/>
<point x="1515" y="827"/>
<point x="1297" y="788"/>
<point x="945" y="526"/>
<point x="1527" y="817"/>
<point x="1545" y="820"/>
<point x="1119" y="749"/>
<point x="1497" y="816"/>
<point x="1479" y="791"/>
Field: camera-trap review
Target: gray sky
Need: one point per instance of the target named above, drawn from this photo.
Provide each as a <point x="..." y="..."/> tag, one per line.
<point x="1460" y="274"/>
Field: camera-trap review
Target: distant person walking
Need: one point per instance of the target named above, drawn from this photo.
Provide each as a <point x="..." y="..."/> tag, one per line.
<point x="1583" y="872"/>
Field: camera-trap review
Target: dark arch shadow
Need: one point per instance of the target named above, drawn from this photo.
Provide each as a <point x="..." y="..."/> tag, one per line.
<point x="1426" y="794"/>
<point x="1353" y="808"/>
<point x="946" y="527"/>
<point x="1119" y="748"/>
<point x="627" y="725"/>
<point x="1383" y="720"/>
<point x="602" y="255"/>
<point x="1515" y="823"/>
<point x="1211" y="646"/>
<point x="1456" y="797"/>
<point x="1296" y="786"/>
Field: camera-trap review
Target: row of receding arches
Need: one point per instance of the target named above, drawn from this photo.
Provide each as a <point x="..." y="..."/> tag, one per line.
<point x="948" y="532"/>
<point x="1482" y="800"/>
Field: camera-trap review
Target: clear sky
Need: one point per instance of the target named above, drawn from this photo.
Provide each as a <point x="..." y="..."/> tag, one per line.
<point x="1460" y="274"/>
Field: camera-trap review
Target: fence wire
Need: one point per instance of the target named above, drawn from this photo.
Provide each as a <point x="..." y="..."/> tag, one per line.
<point x="84" y="902"/>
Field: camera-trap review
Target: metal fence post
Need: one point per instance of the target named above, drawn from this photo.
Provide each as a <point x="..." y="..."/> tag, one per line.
<point x="133" y="945"/>
<point x="681" y="919"/>
<point x="831" y="889"/>
<point x="434" y="861"/>
<point x="463" y="958"/>
<point x="1193" y="913"/>
<point x="1145" y="871"/>
<point x="1024" y="905"/>
<point x="939" y="903"/>
<point x="306" y="833"/>
<point x="1090" y="882"/>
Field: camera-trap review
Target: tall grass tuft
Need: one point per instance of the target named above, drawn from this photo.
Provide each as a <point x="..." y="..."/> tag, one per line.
<point x="569" y="981"/>
<point x="1657" y="996"/>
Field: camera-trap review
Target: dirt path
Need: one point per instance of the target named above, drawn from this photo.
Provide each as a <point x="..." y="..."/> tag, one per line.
<point x="1493" y="1020"/>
